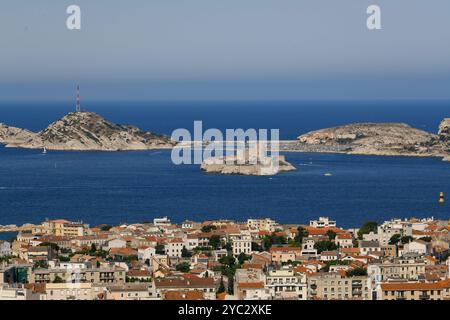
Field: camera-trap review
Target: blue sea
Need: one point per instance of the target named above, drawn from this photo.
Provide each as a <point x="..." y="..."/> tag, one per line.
<point x="101" y="187"/>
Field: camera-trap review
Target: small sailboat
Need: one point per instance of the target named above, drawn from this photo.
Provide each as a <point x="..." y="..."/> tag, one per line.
<point x="44" y="151"/>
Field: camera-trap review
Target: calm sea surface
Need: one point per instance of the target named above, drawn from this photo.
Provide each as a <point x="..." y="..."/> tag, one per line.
<point x="120" y="187"/>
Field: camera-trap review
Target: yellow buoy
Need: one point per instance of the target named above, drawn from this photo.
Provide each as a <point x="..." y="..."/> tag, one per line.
<point x="441" y="197"/>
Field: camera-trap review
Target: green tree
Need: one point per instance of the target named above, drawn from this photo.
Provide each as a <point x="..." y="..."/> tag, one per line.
<point x="221" y="286"/>
<point x="301" y="233"/>
<point x="229" y="261"/>
<point x="357" y="272"/>
<point x="395" y="239"/>
<point x="278" y="240"/>
<point x="214" y="242"/>
<point x="426" y="239"/>
<point x="160" y="249"/>
<point x="366" y="228"/>
<point x="256" y="247"/>
<point x="63" y="259"/>
<point x="331" y="235"/>
<point x="229" y="247"/>
<point x="406" y="239"/>
<point x="131" y="258"/>
<point x="231" y="285"/>
<point x="243" y="257"/>
<point x="208" y="228"/>
<point x="183" y="267"/>
<point x="267" y="242"/>
<point x="105" y="227"/>
<point x="325" y="246"/>
<point x="58" y="279"/>
<point x="185" y="253"/>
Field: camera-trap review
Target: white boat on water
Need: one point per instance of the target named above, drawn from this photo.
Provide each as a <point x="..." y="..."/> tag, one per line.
<point x="328" y="174"/>
<point x="44" y="151"/>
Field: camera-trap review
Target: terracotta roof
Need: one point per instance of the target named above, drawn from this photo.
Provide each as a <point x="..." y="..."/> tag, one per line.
<point x="184" y="295"/>
<point x="59" y="221"/>
<point x="190" y="276"/>
<point x="329" y="253"/>
<point x="248" y="265"/>
<point x="323" y="231"/>
<point x="302" y="269"/>
<point x="433" y="259"/>
<point x="50" y="238"/>
<point x="123" y="251"/>
<point x="221" y="296"/>
<point x="251" y="285"/>
<point x="349" y="250"/>
<point x="275" y="249"/>
<point x="138" y="273"/>
<point x="314" y="263"/>
<point x="344" y="236"/>
<point x="416" y="286"/>
<point x="36" y="287"/>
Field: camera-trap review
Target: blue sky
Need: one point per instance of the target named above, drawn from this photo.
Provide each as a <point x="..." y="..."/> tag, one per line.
<point x="233" y="49"/>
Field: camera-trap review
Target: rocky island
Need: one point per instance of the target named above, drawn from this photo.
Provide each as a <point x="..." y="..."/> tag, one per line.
<point x="385" y="139"/>
<point x="84" y="131"/>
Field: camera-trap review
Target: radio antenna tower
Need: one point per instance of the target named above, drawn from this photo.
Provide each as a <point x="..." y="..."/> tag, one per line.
<point x="78" y="109"/>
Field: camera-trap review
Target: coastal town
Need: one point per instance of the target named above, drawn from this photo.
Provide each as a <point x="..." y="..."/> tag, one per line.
<point x="259" y="259"/>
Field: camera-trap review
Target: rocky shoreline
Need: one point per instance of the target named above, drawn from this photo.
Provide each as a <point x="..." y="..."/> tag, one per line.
<point x="84" y="131"/>
<point x="87" y="131"/>
<point x="378" y="139"/>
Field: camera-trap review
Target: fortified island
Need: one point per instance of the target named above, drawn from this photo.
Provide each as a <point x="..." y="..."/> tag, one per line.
<point x="88" y="131"/>
<point x="267" y="166"/>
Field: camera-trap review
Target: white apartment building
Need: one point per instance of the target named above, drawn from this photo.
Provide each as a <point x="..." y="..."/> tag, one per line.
<point x="5" y="248"/>
<point x="417" y="246"/>
<point x="174" y="247"/>
<point x="368" y="247"/>
<point x="17" y="293"/>
<point x="146" y="253"/>
<point x="344" y="240"/>
<point x="242" y="244"/>
<point x="332" y="286"/>
<point x="323" y="222"/>
<point x="72" y="291"/>
<point x="308" y="247"/>
<point x="191" y="242"/>
<point x="161" y="222"/>
<point x="286" y="284"/>
<point x="407" y="269"/>
<point x="261" y="224"/>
